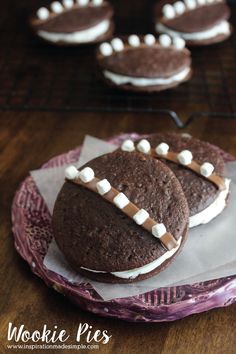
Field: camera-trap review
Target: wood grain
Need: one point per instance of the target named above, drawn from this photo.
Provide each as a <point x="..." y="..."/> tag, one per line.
<point x="29" y="139"/>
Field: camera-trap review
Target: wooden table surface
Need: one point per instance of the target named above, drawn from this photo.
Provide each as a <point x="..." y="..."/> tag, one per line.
<point x="27" y="140"/>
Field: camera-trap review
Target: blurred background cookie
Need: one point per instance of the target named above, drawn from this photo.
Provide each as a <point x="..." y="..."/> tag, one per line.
<point x="199" y="22"/>
<point x="73" y="22"/>
<point x="144" y="63"/>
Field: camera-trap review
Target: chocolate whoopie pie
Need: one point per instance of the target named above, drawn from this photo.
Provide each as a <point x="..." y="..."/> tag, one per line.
<point x="122" y="218"/>
<point x="73" y="22"/>
<point x="198" y="22"/>
<point x="144" y="63"/>
<point x="199" y="168"/>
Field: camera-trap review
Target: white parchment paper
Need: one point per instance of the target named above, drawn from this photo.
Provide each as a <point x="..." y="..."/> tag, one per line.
<point x="209" y="253"/>
<point x="50" y="180"/>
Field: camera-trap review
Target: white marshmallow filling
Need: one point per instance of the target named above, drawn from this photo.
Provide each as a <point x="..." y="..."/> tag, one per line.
<point x="221" y="28"/>
<point x="142" y="81"/>
<point x="84" y="36"/>
<point x="134" y="273"/>
<point x="206" y="215"/>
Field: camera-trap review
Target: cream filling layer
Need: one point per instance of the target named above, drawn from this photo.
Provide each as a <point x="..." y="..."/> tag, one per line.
<point x="142" y="81"/>
<point x="84" y="36"/>
<point x="212" y="210"/>
<point x="135" y="272"/>
<point x="222" y="28"/>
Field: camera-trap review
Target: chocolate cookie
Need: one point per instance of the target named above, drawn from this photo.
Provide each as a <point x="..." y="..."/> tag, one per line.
<point x="74" y="22"/>
<point x="197" y="22"/>
<point x="122" y="218"/>
<point x="200" y="172"/>
<point x="143" y="63"/>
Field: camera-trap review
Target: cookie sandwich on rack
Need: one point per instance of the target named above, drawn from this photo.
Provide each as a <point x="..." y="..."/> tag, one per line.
<point x="199" y="167"/>
<point x="144" y="63"/>
<point x="121" y="218"/>
<point x="74" y="22"/>
<point x="198" y="22"/>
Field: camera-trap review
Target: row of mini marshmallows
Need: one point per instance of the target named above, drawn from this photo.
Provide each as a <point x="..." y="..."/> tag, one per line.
<point x="179" y="7"/>
<point x="185" y="157"/>
<point x="56" y="7"/>
<point x="106" y="49"/>
<point x="120" y="200"/>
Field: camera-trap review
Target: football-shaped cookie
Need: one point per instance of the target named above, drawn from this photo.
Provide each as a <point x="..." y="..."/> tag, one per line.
<point x="73" y="22"/>
<point x="122" y="218"/>
<point x="198" y="22"/>
<point x="199" y="168"/>
<point x="144" y="63"/>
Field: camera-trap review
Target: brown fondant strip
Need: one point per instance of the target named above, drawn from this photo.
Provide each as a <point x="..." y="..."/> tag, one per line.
<point x="127" y="46"/>
<point x="194" y="166"/>
<point x="130" y="210"/>
<point x="37" y="21"/>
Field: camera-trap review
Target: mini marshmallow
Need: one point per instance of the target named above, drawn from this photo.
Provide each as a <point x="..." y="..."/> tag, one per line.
<point x="185" y="157"/>
<point x="191" y="4"/>
<point x="179" y="7"/>
<point x="141" y="216"/>
<point x="97" y="2"/>
<point x="165" y="40"/>
<point x="186" y="135"/>
<point x="144" y="146"/>
<point x="117" y="44"/>
<point x="103" y="186"/>
<point x="162" y="149"/>
<point x="56" y="7"/>
<point x="43" y="13"/>
<point x="158" y="230"/>
<point x="201" y="2"/>
<point x="179" y="43"/>
<point x="71" y="172"/>
<point x="86" y="175"/>
<point x="206" y="169"/>
<point x="128" y="145"/>
<point x="134" y="40"/>
<point x="149" y="39"/>
<point x="106" y="49"/>
<point x="121" y="200"/>
<point x="168" y="11"/>
<point x="82" y="2"/>
<point x="68" y="4"/>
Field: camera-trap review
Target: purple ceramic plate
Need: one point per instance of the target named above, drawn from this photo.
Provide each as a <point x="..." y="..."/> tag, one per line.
<point x="32" y="232"/>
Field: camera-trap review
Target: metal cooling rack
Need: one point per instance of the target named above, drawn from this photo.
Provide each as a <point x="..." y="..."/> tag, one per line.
<point x="36" y="76"/>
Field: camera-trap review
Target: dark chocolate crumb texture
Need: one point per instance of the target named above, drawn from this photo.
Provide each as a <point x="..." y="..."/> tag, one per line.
<point x="199" y="22"/>
<point x="123" y="217"/>
<point x="144" y="63"/>
<point x="74" y="22"/>
<point x="198" y="166"/>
